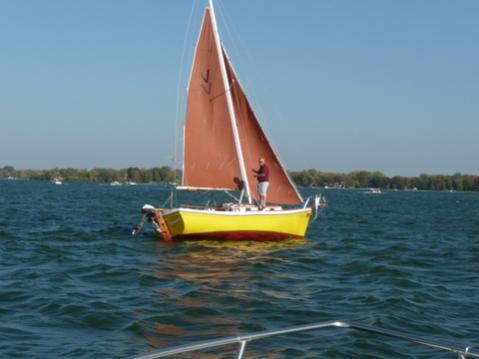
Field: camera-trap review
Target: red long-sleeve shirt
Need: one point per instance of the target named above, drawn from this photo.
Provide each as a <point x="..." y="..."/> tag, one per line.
<point x="263" y="173"/>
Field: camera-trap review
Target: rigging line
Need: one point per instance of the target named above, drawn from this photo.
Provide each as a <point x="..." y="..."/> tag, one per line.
<point x="232" y="196"/>
<point x="238" y="47"/>
<point x="178" y="87"/>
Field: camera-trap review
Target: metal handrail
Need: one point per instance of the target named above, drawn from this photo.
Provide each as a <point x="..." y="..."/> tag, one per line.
<point x="242" y="340"/>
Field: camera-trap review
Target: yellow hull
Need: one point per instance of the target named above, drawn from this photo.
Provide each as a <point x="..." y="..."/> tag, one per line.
<point x="189" y="223"/>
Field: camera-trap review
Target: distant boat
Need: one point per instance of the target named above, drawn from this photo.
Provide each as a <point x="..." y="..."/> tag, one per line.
<point x="376" y="190"/>
<point x="130" y="183"/>
<point x="223" y="141"/>
<point x="115" y="183"/>
<point x="56" y="181"/>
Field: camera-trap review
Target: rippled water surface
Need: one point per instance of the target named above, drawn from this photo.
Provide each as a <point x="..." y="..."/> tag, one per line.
<point x="74" y="283"/>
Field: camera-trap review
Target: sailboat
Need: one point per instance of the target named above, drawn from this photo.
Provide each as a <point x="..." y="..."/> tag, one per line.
<point x="223" y="141"/>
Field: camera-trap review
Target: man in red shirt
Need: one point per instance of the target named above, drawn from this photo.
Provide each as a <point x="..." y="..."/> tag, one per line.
<point x="262" y="174"/>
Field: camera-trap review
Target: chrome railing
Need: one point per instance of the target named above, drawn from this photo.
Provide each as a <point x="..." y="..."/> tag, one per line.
<point x="242" y="340"/>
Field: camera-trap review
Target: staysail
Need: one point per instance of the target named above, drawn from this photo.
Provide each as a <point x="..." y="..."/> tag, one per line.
<point x="255" y="145"/>
<point x="211" y="159"/>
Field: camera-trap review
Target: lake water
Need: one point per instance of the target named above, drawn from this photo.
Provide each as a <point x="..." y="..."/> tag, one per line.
<point x="75" y="283"/>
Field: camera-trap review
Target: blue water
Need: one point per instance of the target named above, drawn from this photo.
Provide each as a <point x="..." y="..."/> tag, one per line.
<point x="74" y="283"/>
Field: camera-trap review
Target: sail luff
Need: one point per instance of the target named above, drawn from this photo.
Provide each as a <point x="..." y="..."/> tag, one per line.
<point x="194" y="54"/>
<point x="229" y="102"/>
<point x="187" y="90"/>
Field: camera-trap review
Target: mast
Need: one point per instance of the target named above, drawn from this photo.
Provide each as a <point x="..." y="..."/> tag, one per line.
<point x="229" y="102"/>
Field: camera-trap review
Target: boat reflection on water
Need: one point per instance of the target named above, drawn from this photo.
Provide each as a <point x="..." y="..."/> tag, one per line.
<point x="239" y="249"/>
<point x="200" y="283"/>
<point x="217" y="262"/>
<point x="221" y="258"/>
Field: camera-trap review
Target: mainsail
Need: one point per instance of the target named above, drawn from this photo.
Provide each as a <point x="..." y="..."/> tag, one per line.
<point x="211" y="159"/>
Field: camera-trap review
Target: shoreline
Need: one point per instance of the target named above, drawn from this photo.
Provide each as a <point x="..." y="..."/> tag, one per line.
<point x="307" y="178"/>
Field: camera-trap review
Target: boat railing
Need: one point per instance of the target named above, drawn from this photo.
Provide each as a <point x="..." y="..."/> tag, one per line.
<point x="242" y="340"/>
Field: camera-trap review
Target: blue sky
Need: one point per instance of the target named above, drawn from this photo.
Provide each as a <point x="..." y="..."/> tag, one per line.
<point x="338" y="85"/>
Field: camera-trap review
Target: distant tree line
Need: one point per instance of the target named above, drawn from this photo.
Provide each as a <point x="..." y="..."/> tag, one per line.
<point x="307" y="178"/>
<point x="133" y="174"/>
<point x="365" y="179"/>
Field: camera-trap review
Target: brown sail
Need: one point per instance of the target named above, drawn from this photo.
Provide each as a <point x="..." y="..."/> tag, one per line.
<point x="255" y="145"/>
<point x="210" y="158"/>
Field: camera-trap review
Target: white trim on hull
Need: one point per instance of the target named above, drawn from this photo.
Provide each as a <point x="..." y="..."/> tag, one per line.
<point x="274" y="212"/>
